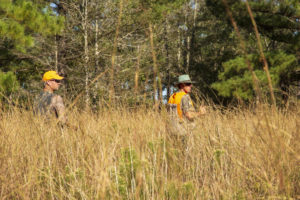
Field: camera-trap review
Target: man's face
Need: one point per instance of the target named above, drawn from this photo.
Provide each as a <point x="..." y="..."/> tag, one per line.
<point x="187" y="87"/>
<point x="54" y="84"/>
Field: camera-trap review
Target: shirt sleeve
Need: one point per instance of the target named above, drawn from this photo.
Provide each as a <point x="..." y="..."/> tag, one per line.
<point x="186" y="104"/>
<point x="59" y="107"/>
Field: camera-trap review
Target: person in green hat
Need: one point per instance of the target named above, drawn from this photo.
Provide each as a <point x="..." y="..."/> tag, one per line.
<point x="181" y="100"/>
<point x="181" y="108"/>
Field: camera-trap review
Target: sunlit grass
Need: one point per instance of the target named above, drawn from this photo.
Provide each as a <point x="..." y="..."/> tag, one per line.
<point x="122" y="154"/>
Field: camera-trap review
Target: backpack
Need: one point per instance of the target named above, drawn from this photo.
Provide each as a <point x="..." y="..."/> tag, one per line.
<point x="174" y="104"/>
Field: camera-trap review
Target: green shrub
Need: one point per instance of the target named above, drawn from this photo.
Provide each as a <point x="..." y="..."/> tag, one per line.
<point x="8" y="83"/>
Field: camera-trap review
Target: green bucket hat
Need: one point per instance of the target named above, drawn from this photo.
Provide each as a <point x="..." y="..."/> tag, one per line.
<point x="184" y="79"/>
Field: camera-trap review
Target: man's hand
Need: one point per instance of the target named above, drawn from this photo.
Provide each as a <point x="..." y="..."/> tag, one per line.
<point x="192" y="115"/>
<point x="202" y="110"/>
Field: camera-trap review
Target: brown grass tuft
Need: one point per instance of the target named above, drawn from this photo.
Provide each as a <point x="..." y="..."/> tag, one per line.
<point x="122" y="154"/>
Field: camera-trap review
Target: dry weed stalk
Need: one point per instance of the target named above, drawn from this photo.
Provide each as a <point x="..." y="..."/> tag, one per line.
<point x="262" y="55"/>
<point x="114" y="52"/>
<point x="243" y="48"/>
<point x="122" y="154"/>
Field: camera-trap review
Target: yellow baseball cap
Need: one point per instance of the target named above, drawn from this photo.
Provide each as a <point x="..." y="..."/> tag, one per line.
<point x="50" y="75"/>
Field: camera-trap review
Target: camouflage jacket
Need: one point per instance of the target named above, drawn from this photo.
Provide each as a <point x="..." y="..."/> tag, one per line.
<point x="48" y="104"/>
<point x="177" y="125"/>
<point x="186" y="104"/>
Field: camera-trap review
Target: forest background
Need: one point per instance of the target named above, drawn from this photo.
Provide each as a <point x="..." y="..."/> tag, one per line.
<point x="117" y="55"/>
<point x="140" y="47"/>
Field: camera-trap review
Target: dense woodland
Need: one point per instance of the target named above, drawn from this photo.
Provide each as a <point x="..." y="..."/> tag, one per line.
<point x="120" y="59"/>
<point x="133" y="50"/>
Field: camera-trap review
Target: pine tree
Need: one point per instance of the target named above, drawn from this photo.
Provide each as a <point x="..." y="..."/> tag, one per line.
<point x="8" y="84"/>
<point x="24" y="29"/>
<point x="278" y="25"/>
<point x="277" y="20"/>
<point x="21" y="20"/>
<point x="236" y="81"/>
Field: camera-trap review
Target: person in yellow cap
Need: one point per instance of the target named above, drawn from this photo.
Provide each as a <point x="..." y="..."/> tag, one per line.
<point x="48" y="103"/>
<point x="181" y="109"/>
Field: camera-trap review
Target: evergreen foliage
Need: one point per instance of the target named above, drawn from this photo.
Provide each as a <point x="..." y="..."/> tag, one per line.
<point x="213" y="42"/>
<point x="21" y="20"/>
<point x="278" y="20"/>
<point x="8" y="84"/>
<point x="25" y="28"/>
<point x="236" y="81"/>
<point x="194" y="37"/>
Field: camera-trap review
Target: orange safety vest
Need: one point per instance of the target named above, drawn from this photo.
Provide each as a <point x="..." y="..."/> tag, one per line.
<point x="175" y="100"/>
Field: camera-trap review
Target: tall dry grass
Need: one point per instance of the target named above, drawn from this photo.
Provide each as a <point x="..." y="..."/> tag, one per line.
<point x="121" y="154"/>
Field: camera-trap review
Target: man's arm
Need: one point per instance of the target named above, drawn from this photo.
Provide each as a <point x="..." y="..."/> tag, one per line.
<point x="59" y="107"/>
<point x="188" y="109"/>
<point x="191" y="115"/>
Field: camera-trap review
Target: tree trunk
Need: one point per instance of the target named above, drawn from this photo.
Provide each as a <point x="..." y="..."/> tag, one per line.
<point x="56" y="54"/>
<point x="137" y="71"/>
<point x="188" y="40"/>
<point x="179" y="48"/>
<point x="96" y="58"/>
<point x="155" y="71"/>
<point x="145" y="87"/>
<point x="168" y="60"/>
<point x="112" y="89"/>
<point x="86" y="51"/>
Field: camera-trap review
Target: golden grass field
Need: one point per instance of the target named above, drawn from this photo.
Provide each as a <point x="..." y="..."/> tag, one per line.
<point x="122" y="154"/>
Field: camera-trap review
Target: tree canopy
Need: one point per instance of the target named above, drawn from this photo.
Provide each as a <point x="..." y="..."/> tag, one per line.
<point x="145" y="45"/>
<point x="277" y="20"/>
<point x="23" y="27"/>
<point x="21" y="20"/>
